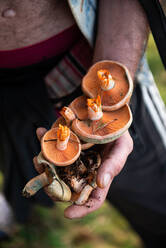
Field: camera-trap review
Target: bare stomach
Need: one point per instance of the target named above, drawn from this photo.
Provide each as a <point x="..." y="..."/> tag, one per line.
<point x="26" y="22"/>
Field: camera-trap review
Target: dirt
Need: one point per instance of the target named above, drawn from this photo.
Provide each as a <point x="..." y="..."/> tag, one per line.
<point x="88" y="160"/>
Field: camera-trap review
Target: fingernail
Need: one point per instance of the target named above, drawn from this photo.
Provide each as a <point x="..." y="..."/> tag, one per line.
<point x="106" y="180"/>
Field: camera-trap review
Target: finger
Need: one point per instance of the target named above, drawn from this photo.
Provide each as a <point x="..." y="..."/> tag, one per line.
<point x="40" y="132"/>
<point x="114" y="160"/>
<point x="38" y="167"/>
<point x="95" y="201"/>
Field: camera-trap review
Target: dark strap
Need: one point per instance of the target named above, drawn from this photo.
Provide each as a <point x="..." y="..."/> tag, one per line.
<point x="157" y="22"/>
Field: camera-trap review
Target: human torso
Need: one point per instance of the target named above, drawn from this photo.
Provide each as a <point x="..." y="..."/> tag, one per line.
<point x="31" y="21"/>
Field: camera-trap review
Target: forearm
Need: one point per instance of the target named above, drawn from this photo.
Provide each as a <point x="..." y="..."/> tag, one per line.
<point x="122" y="32"/>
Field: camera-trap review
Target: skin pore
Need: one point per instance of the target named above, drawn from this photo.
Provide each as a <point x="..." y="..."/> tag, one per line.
<point x="33" y="21"/>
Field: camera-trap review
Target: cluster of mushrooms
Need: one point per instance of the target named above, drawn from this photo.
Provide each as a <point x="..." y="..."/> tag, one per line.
<point x="98" y="117"/>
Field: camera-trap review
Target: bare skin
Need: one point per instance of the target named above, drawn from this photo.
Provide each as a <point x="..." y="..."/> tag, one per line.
<point x="34" y="21"/>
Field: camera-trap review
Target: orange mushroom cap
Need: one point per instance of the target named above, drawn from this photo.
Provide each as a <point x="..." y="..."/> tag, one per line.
<point x="116" y="91"/>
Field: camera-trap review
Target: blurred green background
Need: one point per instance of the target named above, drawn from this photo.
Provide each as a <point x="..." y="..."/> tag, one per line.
<point x="104" y="228"/>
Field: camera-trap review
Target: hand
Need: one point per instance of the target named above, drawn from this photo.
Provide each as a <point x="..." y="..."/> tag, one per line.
<point x="114" y="156"/>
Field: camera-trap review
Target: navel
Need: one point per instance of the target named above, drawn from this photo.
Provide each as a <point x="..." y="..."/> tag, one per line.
<point x="8" y="13"/>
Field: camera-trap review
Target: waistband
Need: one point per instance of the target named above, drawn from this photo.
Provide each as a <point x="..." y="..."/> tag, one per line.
<point x="36" y="53"/>
<point x="11" y="76"/>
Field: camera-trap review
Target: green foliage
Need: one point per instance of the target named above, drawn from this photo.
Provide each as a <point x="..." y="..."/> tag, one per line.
<point x="48" y="228"/>
<point x="157" y="67"/>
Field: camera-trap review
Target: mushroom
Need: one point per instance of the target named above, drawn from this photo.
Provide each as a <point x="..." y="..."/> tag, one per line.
<point x="60" y="146"/>
<point x="67" y="118"/>
<point x="108" y="127"/>
<point x="61" y="182"/>
<point x="100" y="117"/>
<point x="56" y="187"/>
<point x="112" y="81"/>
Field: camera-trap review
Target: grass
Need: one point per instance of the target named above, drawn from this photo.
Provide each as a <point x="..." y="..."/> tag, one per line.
<point x="157" y="68"/>
<point x="104" y="228"/>
<point x="48" y="228"/>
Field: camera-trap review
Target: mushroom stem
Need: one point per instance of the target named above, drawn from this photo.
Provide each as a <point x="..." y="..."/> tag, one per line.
<point x="35" y="184"/>
<point x="106" y="80"/>
<point x="85" y="146"/>
<point x="68" y="115"/>
<point x="63" y="135"/>
<point x="59" y="190"/>
<point x="85" y="193"/>
<point x="95" y="115"/>
<point x="62" y="145"/>
<point x="94" y="108"/>
<point x="78" y="185"/>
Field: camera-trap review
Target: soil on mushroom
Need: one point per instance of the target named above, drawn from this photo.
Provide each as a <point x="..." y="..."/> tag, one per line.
<point x="89" y="159"/>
